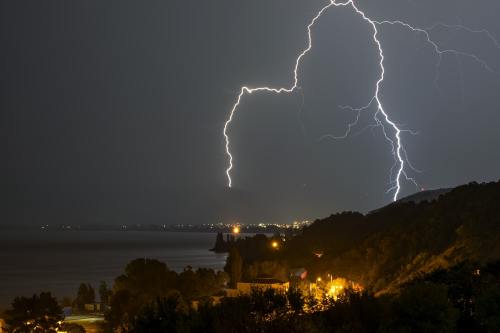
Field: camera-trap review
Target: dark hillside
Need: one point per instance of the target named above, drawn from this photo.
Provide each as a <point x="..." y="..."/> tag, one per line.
<point x="427" y="195"/>
<point x="395" y="243"/>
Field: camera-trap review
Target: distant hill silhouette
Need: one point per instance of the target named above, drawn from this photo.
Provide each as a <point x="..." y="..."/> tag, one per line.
<point x="389" y="246"/>
<point x="427" y="195"/>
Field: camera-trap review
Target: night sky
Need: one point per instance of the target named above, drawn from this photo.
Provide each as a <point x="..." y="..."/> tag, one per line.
<point x="112" y="111"/>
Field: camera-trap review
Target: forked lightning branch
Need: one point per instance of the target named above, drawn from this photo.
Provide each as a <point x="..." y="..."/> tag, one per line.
<point x="392" y="132"/>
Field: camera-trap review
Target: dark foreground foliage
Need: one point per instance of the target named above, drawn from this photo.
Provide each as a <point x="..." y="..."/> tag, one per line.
<point x="465" y="298"/>
<point x="39" y="313"/>
<point x="146" y="280"/>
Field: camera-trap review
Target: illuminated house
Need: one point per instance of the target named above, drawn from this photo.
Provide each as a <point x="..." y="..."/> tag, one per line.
<point x="245" y="288"/>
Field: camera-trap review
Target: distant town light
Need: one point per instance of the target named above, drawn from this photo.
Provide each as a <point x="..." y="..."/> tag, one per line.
<point x="236" y="230"/>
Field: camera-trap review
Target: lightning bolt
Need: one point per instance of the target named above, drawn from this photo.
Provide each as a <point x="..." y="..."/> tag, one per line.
<point x="456" y="27"/>
<point x="381" y="117"/>
<point x="248" y="90"/>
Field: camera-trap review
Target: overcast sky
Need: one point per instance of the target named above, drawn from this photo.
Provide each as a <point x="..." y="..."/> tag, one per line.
<point x="112" y="111"/>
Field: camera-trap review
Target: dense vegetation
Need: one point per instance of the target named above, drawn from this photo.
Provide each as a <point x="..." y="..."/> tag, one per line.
<point x="387" y="247"/>
<point x="146" y="280"/>
<point x="38" y="313"/>
<point x="464" y="298"/>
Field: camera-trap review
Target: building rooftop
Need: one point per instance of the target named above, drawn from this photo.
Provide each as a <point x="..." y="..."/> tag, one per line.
<point x="266" y="281"/>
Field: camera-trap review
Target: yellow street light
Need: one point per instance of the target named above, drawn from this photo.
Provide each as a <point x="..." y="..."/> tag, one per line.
<point x="274" y="244"/>
<point x="236" y="230"/>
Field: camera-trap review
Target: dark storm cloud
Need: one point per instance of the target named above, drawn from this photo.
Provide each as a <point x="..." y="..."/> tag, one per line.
<point x="113" y="111"/>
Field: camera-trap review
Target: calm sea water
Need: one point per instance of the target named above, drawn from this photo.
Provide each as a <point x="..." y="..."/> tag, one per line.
<point x="58" y="261"/>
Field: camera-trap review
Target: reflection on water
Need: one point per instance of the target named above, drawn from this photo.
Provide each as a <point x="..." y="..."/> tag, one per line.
<point x="58" y="261"/>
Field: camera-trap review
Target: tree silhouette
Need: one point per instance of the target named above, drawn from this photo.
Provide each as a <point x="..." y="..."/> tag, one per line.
<point x="39" y="313"/>
<point x="234" y="265"/>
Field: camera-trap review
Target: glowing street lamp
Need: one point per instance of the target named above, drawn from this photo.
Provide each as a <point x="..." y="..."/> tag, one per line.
<point x="274" y="244"/>
<point x="236" y="230"/>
